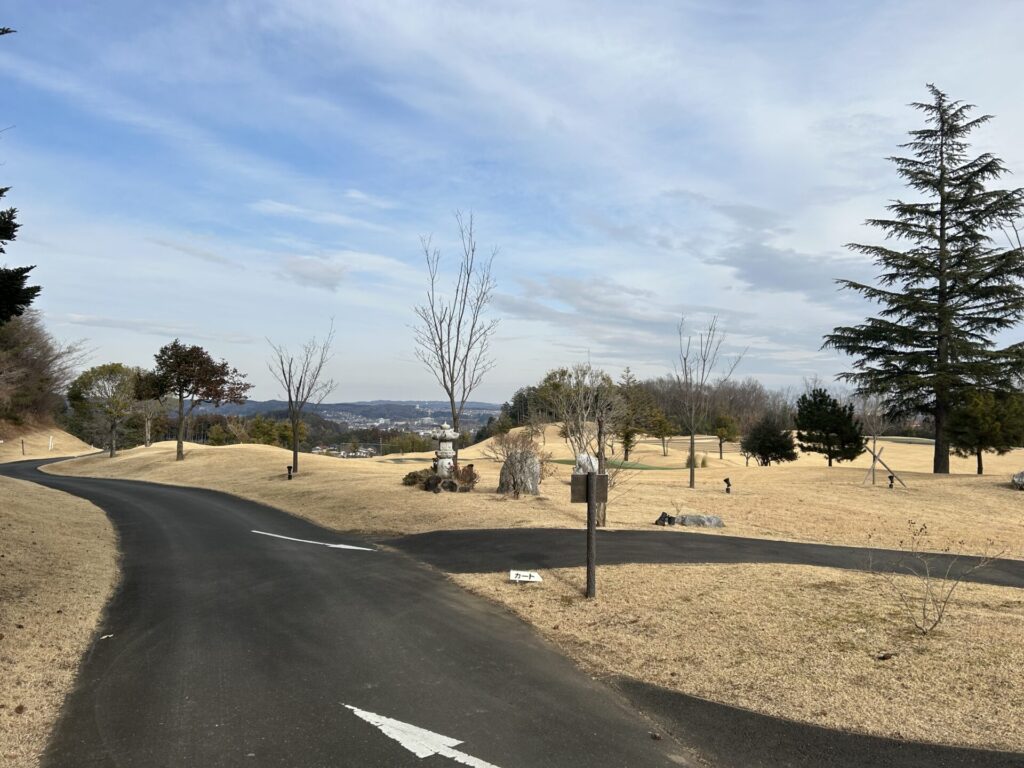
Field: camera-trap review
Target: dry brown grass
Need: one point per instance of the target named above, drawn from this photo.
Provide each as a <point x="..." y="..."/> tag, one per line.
<point x="57" y="568"/>
<point x="804" y="501"/>
<point x="793" y="641"/>
<point x="37" y="444"/>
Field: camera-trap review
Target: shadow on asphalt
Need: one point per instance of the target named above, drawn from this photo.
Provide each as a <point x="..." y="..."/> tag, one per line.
<point x="720" y="734"/>
<point x="481" y="551"/>
<point x="729" y="736"/>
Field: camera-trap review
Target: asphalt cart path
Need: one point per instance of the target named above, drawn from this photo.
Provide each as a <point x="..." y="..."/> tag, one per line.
<point x="243" y="636"/>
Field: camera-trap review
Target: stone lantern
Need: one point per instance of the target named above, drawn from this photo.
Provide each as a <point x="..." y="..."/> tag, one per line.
<point x="445" y="436"/>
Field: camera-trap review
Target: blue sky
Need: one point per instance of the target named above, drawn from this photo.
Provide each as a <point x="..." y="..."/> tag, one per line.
<point x="224" y="172"/>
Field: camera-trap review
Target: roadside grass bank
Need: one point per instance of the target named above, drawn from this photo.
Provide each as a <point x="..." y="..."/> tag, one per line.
<point x="799" y="642"/>
<point x="57" y="569"/>
<point x="37" y="443"/>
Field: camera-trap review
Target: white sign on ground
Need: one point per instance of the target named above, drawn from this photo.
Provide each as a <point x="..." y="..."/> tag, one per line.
<point x="420" y="741"/>
<point x="522" y="576"/>
<point x="321" y="543"/>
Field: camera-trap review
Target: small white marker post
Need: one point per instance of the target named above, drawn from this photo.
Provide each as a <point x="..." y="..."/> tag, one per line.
<point x="524" y="577"/>
<point x="420" y="741"/>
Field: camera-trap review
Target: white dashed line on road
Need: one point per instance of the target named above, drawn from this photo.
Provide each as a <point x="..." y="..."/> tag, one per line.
<point x="321" y="543"/>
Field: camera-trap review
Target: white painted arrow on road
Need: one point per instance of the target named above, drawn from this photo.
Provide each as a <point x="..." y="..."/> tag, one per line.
<point x="419" y="741"/>
<point x="321" y="543"/>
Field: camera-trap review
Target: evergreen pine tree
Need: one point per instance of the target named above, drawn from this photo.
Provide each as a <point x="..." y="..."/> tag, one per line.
<point x="986" y="421"/>
<point x="635" y="414"/>
<point x="947" y="293"/>
<point x="824" y="425"/>
<point x="15" y="295"/>
<point x="769" y="440"/>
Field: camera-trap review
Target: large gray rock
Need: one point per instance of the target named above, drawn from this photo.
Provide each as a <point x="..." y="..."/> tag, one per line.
<point x="585" y="463"/>
<point x="1018" y="481"/>
<point x="520" y="474"/>
<point x="700" y="521"/>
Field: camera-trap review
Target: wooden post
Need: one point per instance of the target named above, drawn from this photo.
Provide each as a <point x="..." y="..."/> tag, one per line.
<point x="591" y="535"/>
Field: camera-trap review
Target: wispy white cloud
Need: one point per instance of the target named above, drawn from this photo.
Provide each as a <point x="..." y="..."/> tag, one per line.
<point x="330" y="270"/>
<point x="154" y="328"/>
<point x="373" y="201"/>
<point x="633" y="163"/>
<point x="328" y="218"/>
<point x="199" y="253"/>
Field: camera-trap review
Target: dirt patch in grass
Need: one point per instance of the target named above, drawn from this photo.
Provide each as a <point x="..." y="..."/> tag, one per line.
<point x="57" y="569"/>
<point x="805" y="501"/>
<point x="793" y="641"/>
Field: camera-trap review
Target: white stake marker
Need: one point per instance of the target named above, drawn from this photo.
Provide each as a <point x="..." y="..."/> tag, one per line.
<point x="321" y="543"/>
<point x="419" y="741"/>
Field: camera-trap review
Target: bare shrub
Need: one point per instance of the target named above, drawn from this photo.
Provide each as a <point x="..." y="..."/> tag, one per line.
<point x="925" y="579"/>
<point x="692" y="462"/>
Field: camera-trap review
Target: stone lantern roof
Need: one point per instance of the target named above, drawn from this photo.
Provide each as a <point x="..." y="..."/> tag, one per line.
<point x="444" y="433"/>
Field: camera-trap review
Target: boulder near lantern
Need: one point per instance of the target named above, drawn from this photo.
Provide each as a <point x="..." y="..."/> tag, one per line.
<point x="445" y="461"/>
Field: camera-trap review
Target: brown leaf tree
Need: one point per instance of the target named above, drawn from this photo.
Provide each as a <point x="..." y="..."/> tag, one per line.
<point x="190" y="375"/>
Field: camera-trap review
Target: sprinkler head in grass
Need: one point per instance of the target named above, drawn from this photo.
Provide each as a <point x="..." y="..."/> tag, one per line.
<point x="289" y="471"/>
<point x="891" y="479"/>
<point x="728" y="485"/>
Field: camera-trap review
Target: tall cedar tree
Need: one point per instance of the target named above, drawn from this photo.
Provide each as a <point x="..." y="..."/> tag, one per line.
<point x="946" y="295"/>
<point x="189" y="373"/>
<point x="635" y="414"/>
<point x="986" y="421"/>
<point x="15" y="295"/>
<point x="824" y="425"/>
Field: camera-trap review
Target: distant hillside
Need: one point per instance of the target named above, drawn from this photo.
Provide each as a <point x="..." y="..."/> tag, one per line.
<point x="408" y="411"/>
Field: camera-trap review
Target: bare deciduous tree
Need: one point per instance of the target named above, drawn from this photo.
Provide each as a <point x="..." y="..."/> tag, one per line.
<point x="695" y="380"/>
<point x="148" y="405"/>
<point x="106" y="394"/>
<point x="302" y="375"/>
<point x="35" y="368"/>
<point x="586" y="401"/>
<point x="874" y="415"/>
<point x="150" y="411"/>
<point x="453" y="335"/>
